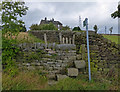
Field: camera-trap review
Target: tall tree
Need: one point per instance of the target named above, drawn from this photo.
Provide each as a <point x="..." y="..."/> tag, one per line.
<point x="111" y="30"/>
<point x="76" y="29"/>
<point x="66" y="28"/>
<point x="10" y="13"/>
<point x="95" y="28"/>
<point x="116" y="13"/>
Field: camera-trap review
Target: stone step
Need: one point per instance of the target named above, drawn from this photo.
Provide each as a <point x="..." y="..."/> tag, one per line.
<point x="51" y="76"/>
<point x="52" y="82"/>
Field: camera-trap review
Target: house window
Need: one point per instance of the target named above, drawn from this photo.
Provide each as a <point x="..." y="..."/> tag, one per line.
<point x="58" y="27"/>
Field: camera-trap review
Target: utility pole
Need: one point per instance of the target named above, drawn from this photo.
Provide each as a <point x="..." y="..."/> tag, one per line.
<point x="80" y="21"/>
<point x="105" y="29"/>
<point x="85" y="23"/>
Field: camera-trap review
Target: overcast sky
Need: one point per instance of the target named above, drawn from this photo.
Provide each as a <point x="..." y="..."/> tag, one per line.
<point x="68" y="13"/>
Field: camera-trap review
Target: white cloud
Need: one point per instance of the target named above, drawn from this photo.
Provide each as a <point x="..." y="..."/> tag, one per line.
<point x="71" y="0"/>
<point x="68" y="13"/>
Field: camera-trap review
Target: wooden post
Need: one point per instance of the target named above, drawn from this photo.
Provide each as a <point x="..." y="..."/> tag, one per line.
<point x="73" y="39"/>
<point x="45" y="39"/>
<point x="60" y="36"/>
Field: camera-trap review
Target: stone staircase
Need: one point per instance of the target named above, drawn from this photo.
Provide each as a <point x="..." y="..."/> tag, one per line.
<point x="103" y="53"/>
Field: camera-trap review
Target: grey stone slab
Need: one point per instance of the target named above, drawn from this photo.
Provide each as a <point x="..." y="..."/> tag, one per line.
<point x="79" y="64"/>
<point x="79" y="57"/>
<point x="37" y="45"/>
<point x="64" y="64"/>
<point x="72" y="58"/>
<point x="51" y="52"/>
<point x="61" y="77"/>
<point x="51" y="76"/>
<point x="58" y="65"/>
<point x="31" y="68"/>
<point x="60" y="61"/>
<point x="52" y="82"/>
<point x="65" y="47"/>
<point x="72" y="72"/>
<point x="26" y="64"/>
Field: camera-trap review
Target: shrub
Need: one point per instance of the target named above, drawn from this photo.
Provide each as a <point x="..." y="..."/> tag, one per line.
<point x="50" y="26"/>
<point x="9" y="53"/>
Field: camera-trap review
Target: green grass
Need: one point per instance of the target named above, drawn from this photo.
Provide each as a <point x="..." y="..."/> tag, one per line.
<point x="113" y="38"/>
<point x="35" y="38"/>
<point x="28" y="38"/>
<point x="25" y="37"/>
<point x="80" y="84"/>
<point x="24" y="81"/>
<point x="36" y="80"/>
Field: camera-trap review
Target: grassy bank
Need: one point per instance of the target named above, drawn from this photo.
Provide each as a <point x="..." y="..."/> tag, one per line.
<point x="113" y="38"/>
<point x="25" y="37"/>
<point x="36" y="81"/>
<point x="31" y="80"/>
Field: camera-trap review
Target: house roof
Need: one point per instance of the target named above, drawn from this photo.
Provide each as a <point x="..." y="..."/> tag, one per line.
<point x="50" y="21"/>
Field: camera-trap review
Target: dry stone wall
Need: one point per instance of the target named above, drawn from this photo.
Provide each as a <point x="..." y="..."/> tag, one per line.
<point x="104" y="54"/>
<point x="54" y="58"/>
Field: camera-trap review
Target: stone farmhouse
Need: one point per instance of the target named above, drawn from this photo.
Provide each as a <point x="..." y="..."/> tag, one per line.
<point x="56" y="23"/>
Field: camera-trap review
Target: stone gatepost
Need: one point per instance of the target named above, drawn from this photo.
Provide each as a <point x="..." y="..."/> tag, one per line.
<point x="73" y="39"/>
<point x="45" y="39"/>
<point x="83" y="51"/>
<point x="66" y="40"/>
<point x="60" y="36"/>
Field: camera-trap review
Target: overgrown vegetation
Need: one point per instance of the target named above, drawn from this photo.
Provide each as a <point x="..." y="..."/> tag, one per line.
<point x="116" y="13"/>
<point x="82" y="83"/>
<point x="10" y="12"/>
<point x="66" y="28"/>
<point x="76" y="29"/>
<point x="11" y="26"/>
<point x="31" y="80"/>
<point x="50" y="26"/>
<point x="95" y="28"/>
<point x="9" y="52"/>
<point x="36" y="80"/>
<point x="113" y="38"/>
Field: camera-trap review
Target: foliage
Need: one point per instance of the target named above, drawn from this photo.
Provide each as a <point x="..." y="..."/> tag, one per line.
<point x="66" y="28"/>
<point x="8" y="50"/>
<point x="80" y="83"/>
<point x="50" y="26"/>
<point x="95" y="28"/>
<point x="30" y="57"/>
<point x="24" y="81"/>
<point x="36" y="80"/>
<point x="116" y="13"/>
<point x="10" y="12"/>
<point x="9" y="53"/>
<point x="11" y="25"/>
<point x="76" y="29"/>
<point x="34" y="27"/>
<point x="111" y="30"/>
<point x="25" y="37"/>
<point x="23" y="28"/>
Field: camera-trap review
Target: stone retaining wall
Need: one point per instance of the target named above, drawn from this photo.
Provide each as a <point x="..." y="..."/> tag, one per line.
<point x="54" y="58"/>
<point x="60" y="37"/>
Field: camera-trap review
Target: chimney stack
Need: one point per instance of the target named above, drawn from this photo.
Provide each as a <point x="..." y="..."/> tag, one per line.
<point x="45" y="18"/>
